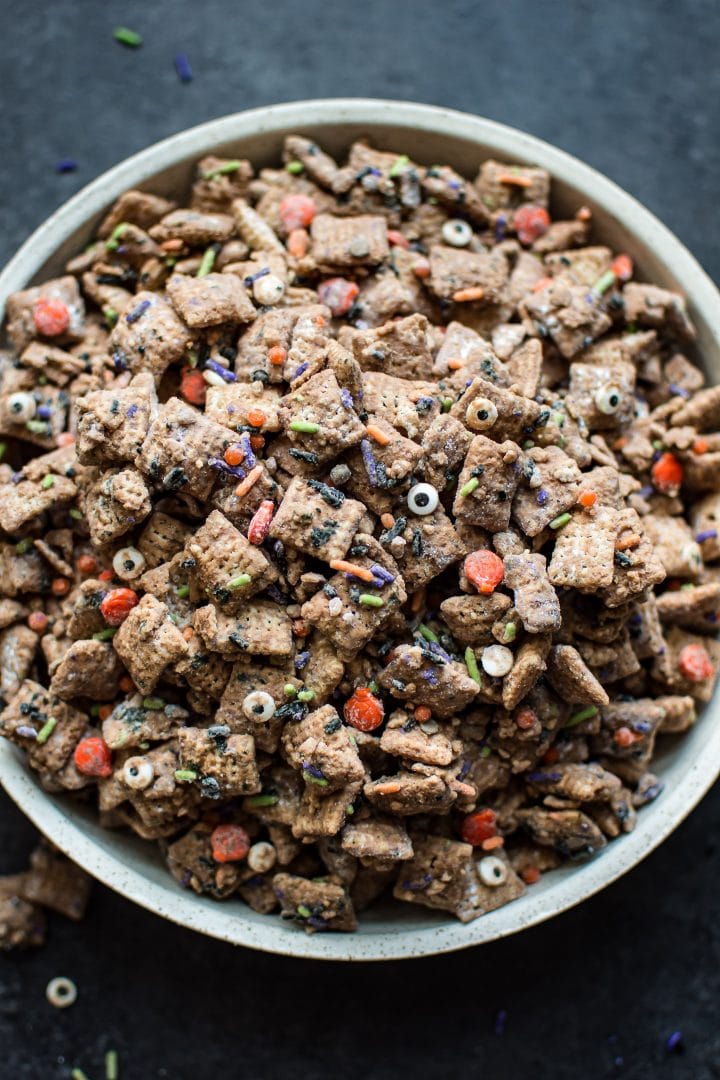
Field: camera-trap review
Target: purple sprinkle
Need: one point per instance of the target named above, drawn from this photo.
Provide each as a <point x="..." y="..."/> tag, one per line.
<point x="132" y="410"/>
<point x="347" y="398"/>
<point x="222" y="466"/>
<point x="537" y="777"/>
<point x="312" y="770"/>
<point x="275" y="594"/>
<point x="674" y="1042"/>
<point x="26" y="732"/>
<point x="707" y="534"/>
<point x="542" y="497"/>
<point x="16" y="477"/>
<point x="380" y="572"/>
<point x="66" y="165"/>
<point x="248" y="281"/>
<point x="250" y="459"/>
<point x="182" y="66"/>
<point x="369" y="461"/>
<point x="231" y="409"/>
<point x="500" y="1021"/>
<point x="119" y="361"/>
<point x="642" y="726"/>
<point x="301" y="660"/>
<point x="711" y="616"/>
<point x="424" y="402"/>
<point x="316" y="922"/>
<point x="374" y="171"/>
<point x="228" y="376"/>
<point x="44" y="412"/>
<point x="465" y="769"/>
<point x="438" y="650"/>
<point x="417" y="886"/>
<point x="430" y="677"/>
<point x="678" y="391"/>
<point x="500" y="226"/>
<point x="646" y="491"/>
<point x="301" y="370"/>
<point x="454" y="185"/>
<point x="137" y="312"/>
<point x="185" y="879"/>
<point x="636" y="619"/>
<point x="651" y="793"/>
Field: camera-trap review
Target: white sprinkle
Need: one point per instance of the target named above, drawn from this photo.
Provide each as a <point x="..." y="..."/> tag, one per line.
<point x="335" y="606"/>
<point x="261" y="857"/>
<point x="268" y="289"/>
<point x="497" y="660"/>
<point x="212" y="378"/>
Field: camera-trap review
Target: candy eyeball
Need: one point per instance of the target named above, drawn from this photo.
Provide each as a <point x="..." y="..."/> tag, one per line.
<point x="457" y="233"/>
<point x="481" y="414"/>
<point x="22" y="407"/>
<point x="422" y="499"/>
<point x="259" y="706"/>
<point x="61" y="992"/>
<point x="492" y="871"/>
<point x="497" y="660"/>
<point x="268" y="289"/>
<point x="138" y="773"/>
<point x="128" y="563"/>
<point x="608" y="399"/>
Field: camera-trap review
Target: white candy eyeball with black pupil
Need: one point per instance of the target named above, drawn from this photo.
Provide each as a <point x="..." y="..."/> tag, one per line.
<point x="22" y="407"/>
<point x="61" y="992"/>
<point x="422" y="499"/>
<point x="138" y="773"/>
<point x="608" y="399"/>
<point x="481" y="414"/>
<point x="493" y="871"/>
<point x="457" y="233"/>
<point x="268" y="289"/>
<point x="128" y="563"/>
<point x="259" y="706"/>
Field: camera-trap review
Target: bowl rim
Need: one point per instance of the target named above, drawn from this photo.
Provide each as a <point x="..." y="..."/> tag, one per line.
<point x="568" y="888"/>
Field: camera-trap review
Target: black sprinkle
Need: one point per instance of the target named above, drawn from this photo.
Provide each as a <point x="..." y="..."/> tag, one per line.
<point x="331" y="495"/>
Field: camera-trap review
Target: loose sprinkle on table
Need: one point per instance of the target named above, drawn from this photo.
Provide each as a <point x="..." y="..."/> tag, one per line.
<point x="65" y="165"/>
<point x="182" y="67"/>
<point x="128" y="37"/>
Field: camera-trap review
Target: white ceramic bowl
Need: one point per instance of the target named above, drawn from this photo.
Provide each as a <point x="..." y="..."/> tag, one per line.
<point x="688" y="765"/>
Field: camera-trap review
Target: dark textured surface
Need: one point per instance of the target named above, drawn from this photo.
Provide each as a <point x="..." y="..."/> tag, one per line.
<point x="632" y="89"/>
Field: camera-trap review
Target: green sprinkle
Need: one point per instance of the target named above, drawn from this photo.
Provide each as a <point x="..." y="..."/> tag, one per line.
<point x="111" y="316"/>
<point x="687" y="586"/>
<point x="222" y="170"/>
<point x="604" y="282"/>
<point x="446" y="404"/>
<point x="399" y="165"/>
<point x="467" y="489"/>
<point x="485" y="752"/>
<point x="427" y="633"/>
<point x="349" y="809"/>
<point x="78" y="1074"/>
<point x="42" y="379"/>
<point x="510" y="632"/>
<point x="472" y="665"/>
<point x="315" y="780"/>
<point x="185" y="775"/>
<point x="305" y="426"/>
<point x="192" y="358"/>
<point x="373" y="687"/>
<point x="306" y="695"/>
<point x="207" y="262"/>
<point x="560" y="521"/>
<point x="128" y="37"/>
<point x="262" y="800"/>
<point x="528" y="444"/>
<point x="289" y="690"/>
<point x="182" y="591"/>
<point x="153" y="703"/>
<point x="113" y="242"/>
<point x="111" y="1065"/>
<point x="23" y="546"/>
<point x="304" y="911"/>
<point x="47" y="482"/>
<point x="37" y="427"/>
<point x="46" y="730"/>
<point x="75" y="514"/>
<point x="657" y="444"/>
<point x="561" y="441"/>
<point x="105" y="635"/>
<point x="170" y="261"/>
<point x="294" y="168"/>
<point x="95" y="709"/>
<point x="368" y="600"/>
<point x="583" y="714"/>
<point x="239" y="581"/>
<point x="3" y="448"/>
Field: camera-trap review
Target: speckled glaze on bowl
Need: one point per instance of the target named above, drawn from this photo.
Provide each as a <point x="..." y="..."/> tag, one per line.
<point x="688" y="765"/>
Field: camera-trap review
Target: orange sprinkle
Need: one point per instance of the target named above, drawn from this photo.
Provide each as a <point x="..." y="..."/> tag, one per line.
<point x="257" y="441"/>
<point x="300" y="628"/>
<point x="541" y="283"/>
<point x="379" y="436"/>
<point x="234" y="455"/>
<point x="530" y="875"/>
<point x="417" y="600"/>
<point x="86" y="564"/>
<point x="516" y="179"/>
<point x="620" y="443"/>
<point x="700" y="446"/>
<point x="387" y="521"/>
<point x="344" y="567"/>
<point x="256" y="417"/>
<point x="630" y="541"/>
<point x="319" y="320"/>
<point x="587" y="499"/>
<point x="624" y="737"/>
<point x="60" y="586"/>
<point x="188" y="633"/>
<point x="126" y="684"/>
<point x="38" y="621"/>
<point x="250" y="480"/>
<point x="397" y="239"/>
<point x="389" y="788"/>
<point x="175" y="244"/>
<point x="492" y="842"/>
<point x="462" y="295"/>
<point x="422" y="714"/>
<point x="65" y="438"/>
<point x="276" y="355"/>
<point x="584" y="213"/>
<point x="104" y="711"/>
<point x="106" y="575"/>
<point x="421" y="268"/>
<point x="455" y="365"/>
<point x="298" y="243"/>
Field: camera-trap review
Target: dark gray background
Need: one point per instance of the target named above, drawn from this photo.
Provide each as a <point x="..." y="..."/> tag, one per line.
<point x="632" y="87"/>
